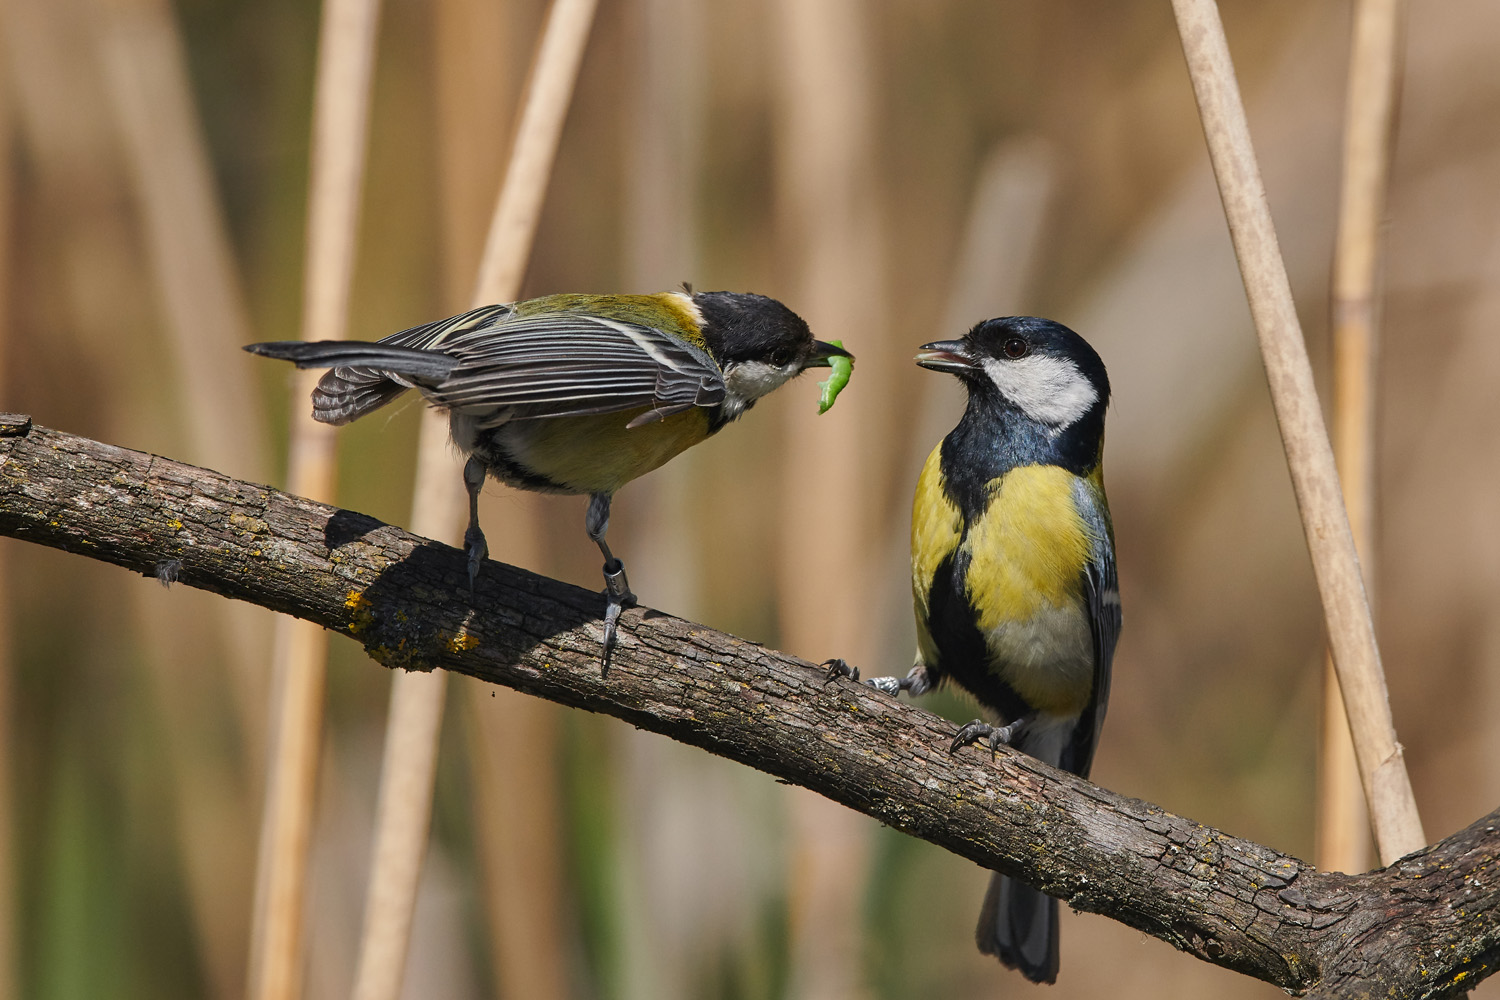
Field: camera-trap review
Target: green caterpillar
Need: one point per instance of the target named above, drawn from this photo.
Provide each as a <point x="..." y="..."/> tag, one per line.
<point x="841" y="369"/>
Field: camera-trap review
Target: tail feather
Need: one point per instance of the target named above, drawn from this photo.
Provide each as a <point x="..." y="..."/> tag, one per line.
<point x="346" y="394"/>
<point x="1018" y="925"/>
<point x="365" y="376"/>
<point x="415" y="364"/>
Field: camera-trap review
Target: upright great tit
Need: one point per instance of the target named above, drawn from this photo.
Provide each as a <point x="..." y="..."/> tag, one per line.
<point x="573" y="393"/>
<point x="1013" y="573"/>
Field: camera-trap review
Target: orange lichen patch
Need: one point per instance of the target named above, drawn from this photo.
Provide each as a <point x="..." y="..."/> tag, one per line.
<point x="461" y="642"/>
<point x="361" y="611"/>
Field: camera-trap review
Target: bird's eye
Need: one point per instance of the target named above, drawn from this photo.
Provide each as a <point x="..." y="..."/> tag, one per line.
<point x="1015" y="347"/>
<point x="781" y="357"/>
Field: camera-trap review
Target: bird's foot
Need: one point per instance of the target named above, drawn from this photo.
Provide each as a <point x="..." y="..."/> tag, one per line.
<point x="914" y="683"/>
<point x="617" y="597"/>
<point x="978" y="730"/>
<point x="478" y="550"/>
<point x="839" y="668"/>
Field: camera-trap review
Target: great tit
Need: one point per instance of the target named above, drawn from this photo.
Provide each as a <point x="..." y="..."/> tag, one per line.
<point x="573" y="393"/>
<point x="1013" y="573"/>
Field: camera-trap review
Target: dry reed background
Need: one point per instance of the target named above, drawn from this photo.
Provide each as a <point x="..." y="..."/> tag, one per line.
<point x="892" y="171"/>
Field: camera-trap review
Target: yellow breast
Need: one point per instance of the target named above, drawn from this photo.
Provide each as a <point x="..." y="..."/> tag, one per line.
<point x="1029" y="548"/>
<point x="599" y="454"/>
<point x="936" y="525"/>
<point x="1026" y="560"/>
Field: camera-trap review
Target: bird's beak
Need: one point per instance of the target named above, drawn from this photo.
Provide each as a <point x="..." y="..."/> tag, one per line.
<point x="946" y="356"/>
<point x="822" y="351"/>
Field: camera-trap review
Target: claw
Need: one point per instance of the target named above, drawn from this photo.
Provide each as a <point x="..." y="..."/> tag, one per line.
<point x="612" y="612"/>
<point x="617" y="597"/>
<point x="478" y="550"/>
<point x="838" y="668"/>
<point x="977" y="730"/>
<point x="972" y="733"/>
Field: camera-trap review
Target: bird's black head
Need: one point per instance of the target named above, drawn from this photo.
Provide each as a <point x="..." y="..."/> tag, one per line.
<point x="759" y="343"/>
<point x="1041" y="369"/>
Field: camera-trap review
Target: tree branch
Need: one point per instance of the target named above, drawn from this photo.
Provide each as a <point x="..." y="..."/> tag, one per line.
<point x="1428" y="926"/>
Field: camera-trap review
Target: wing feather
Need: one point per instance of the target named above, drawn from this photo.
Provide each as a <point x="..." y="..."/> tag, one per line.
<point x="350" y="391"/>
<point x="1102" y="593"/>
<point x="540" y="365"/>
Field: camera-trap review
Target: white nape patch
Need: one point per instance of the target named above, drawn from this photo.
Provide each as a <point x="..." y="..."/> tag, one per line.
<point x="747" y="381"/>
<point x="685" y="300"/>
<point x="1048" y="389"/>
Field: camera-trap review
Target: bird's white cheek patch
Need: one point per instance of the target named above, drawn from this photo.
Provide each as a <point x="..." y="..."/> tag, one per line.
<point x="1047" y="389"/>
<point x="750" y="380"/>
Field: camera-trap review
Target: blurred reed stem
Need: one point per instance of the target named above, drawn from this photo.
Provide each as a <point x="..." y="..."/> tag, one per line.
<point x="346" y="58"/>
<point x="1369" y="128"/>
<point x="659" y="935"/>
<point x="518" y="833"/>
<point x="438" y="511"/>
<point x="145" y="72"/>
<point x="146" y="68"/>
<point x="544" y="109"/>
<point x="835" y="471"/>
<point x="9" y="901"/>
<point x="510" y="738"/>
<point x="193" y="261"/>
<point x="1393" y="810"/>
<point x="402" y="813"/>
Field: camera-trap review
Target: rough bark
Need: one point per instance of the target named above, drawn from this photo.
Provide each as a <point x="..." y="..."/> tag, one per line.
<point x="1427" y="926"/>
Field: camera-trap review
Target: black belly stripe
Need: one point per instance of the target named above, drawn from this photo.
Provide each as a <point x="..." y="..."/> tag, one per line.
<point x="962" y="652"/>
<point x="509" y="471"/>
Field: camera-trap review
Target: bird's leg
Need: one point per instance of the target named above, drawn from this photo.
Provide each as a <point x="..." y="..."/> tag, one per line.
<point x="977" y="730"/>
<point x="617" y="595"/>
<point x="914" y="683"/>
<point x="474" y="543"/>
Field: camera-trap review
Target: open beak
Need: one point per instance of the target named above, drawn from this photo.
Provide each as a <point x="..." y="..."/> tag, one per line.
<point x="946" y="356"/>
<point x="822" y="351"/>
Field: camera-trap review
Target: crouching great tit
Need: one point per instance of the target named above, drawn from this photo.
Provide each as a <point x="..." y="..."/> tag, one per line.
<point x="1013" y="573"/>
<point x="573" y="393"/>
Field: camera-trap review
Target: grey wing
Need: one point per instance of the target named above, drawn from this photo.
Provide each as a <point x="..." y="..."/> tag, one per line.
<point x="350" y="391"/>
<point x="568" y="364"/>
<point x="1102" y="593"/>
<point x="517" y="366"/>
